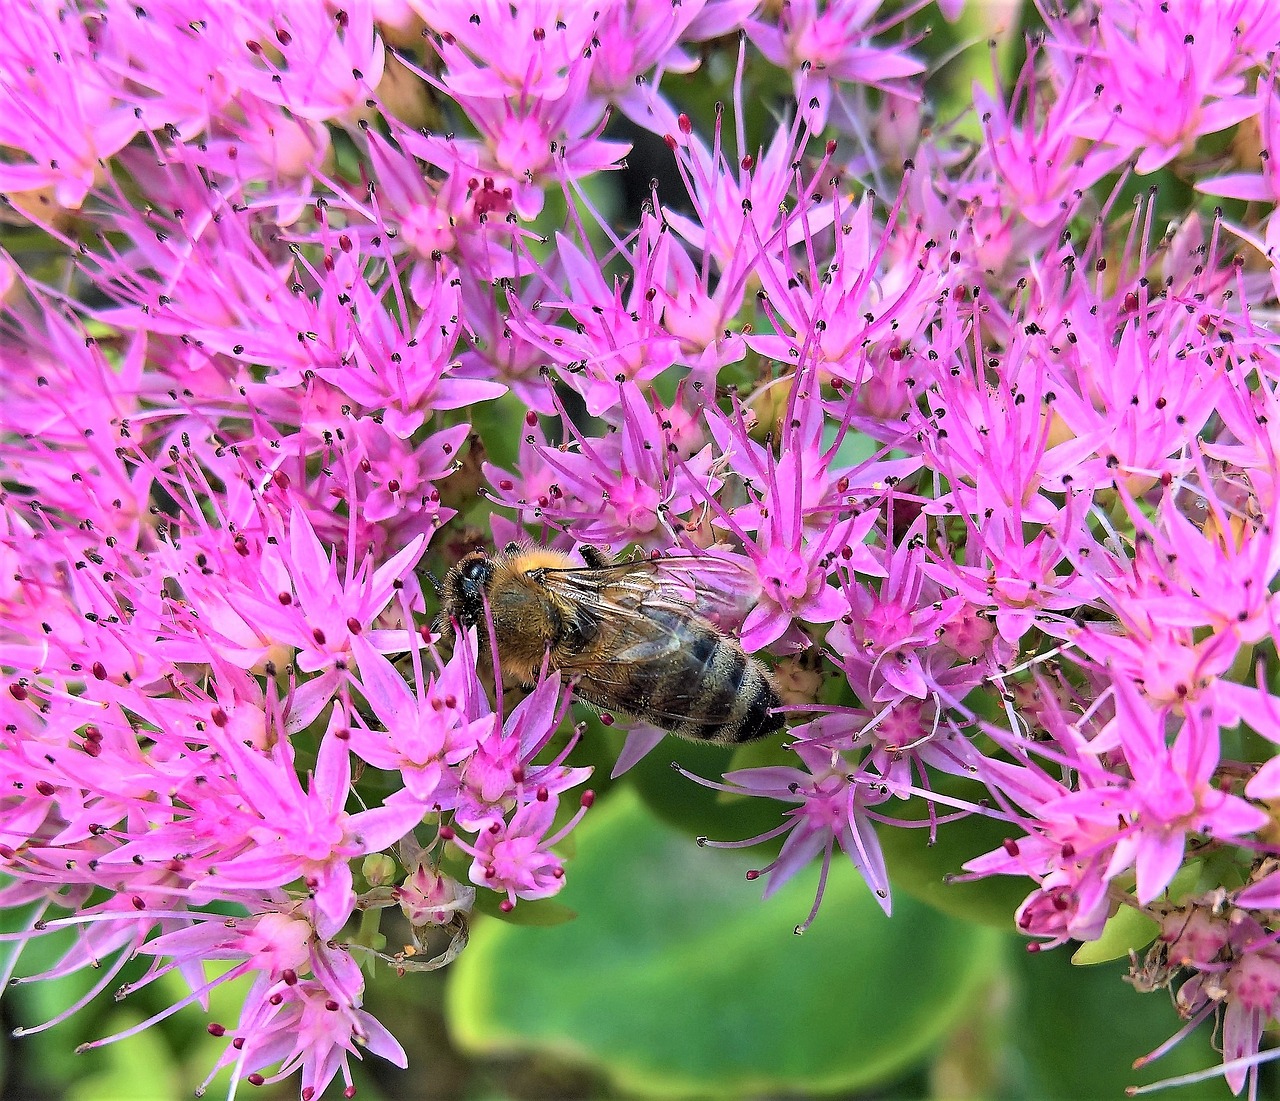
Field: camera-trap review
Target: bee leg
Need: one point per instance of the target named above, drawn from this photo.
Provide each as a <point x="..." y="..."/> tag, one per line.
<point x="595" y="558"/>
<point x="511" y="548"/>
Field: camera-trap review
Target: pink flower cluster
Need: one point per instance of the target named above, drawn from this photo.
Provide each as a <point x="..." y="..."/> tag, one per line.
<point x="974" y="420"/>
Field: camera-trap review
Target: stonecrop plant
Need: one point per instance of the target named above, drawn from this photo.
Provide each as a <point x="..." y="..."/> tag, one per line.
<point x="303" y="299"/>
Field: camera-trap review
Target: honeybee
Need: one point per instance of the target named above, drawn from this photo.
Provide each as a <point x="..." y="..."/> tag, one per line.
<point x="629" y="634"/>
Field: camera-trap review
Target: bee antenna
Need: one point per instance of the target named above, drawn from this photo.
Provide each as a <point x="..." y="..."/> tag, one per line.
<point x="434" y="582"/>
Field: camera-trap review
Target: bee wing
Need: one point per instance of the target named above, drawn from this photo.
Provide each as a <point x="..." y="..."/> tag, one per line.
<point x="720" y="589"/>
<point x="639" y="599"/>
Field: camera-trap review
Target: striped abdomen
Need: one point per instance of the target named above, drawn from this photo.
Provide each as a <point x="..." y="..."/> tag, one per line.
<point x="678" y="672"/>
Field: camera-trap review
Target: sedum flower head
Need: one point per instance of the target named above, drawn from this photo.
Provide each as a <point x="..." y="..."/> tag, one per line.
<point x="976" y="452"/>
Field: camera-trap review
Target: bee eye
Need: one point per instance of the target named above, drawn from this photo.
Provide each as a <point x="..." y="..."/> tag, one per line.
<point x="476" y="571"/>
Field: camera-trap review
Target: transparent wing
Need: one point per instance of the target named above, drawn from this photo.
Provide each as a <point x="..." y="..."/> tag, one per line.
<point x="642" y="603"/>
<point x="720" y="589"/>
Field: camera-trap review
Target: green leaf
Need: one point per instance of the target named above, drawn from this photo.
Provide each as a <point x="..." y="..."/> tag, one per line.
<point x="142" y="1066"/>
<point x="855" y="448"/>
<point x="678" y="981"/>
<point x="698" y="810"/>
<point x="1078" y="1030"/>
<point x="500" y="423"/>
<point x="1126" y="930"/>
<point x="541" y="912"/>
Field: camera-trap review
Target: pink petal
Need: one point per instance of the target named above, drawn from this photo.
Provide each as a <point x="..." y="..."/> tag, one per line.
<point x="1159" y="857"/>
<point x="642" y="739"/>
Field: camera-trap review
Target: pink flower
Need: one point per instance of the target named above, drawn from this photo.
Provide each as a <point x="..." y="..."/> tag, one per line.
<point x="1035" y="159"/>
<point x="828" y="45"/>
<point x="831" y="810"/>
<point x="514" y="856"/>
<point x="978" y="456"/>
<point x="302" y="1027"/>
<point x="320" y="614"/>
<point x="429" y="898"/>
<point x="609" y="339"/>
<point x="613" y="491"/>
<point x="786" y="528"/>
<point x="1196" y="50"/>
<point x="307" y="834"/>
<point x="60" y="109"/>
<point x="317" y="63"/>
<point x="423" y="733"/>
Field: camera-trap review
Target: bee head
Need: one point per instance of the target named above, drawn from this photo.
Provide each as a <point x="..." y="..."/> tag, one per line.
<point x="468" y="583"/>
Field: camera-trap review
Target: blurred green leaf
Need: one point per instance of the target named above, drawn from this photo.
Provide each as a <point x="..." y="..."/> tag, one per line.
<point x="501" y="425"/>
<point x="35" y="1003"/>
<point x="855" y="448"/>
<point x="1079" y="1029"/>
<point x="699" y="810"/>
<point x="677" y="981"/>
<point x="134" y="1069"/>
<point x="541" y="912"/>
<point x="762" y="753"/>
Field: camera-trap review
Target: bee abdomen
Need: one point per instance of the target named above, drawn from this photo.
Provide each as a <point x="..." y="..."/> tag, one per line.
<point x="732" y="696"/>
